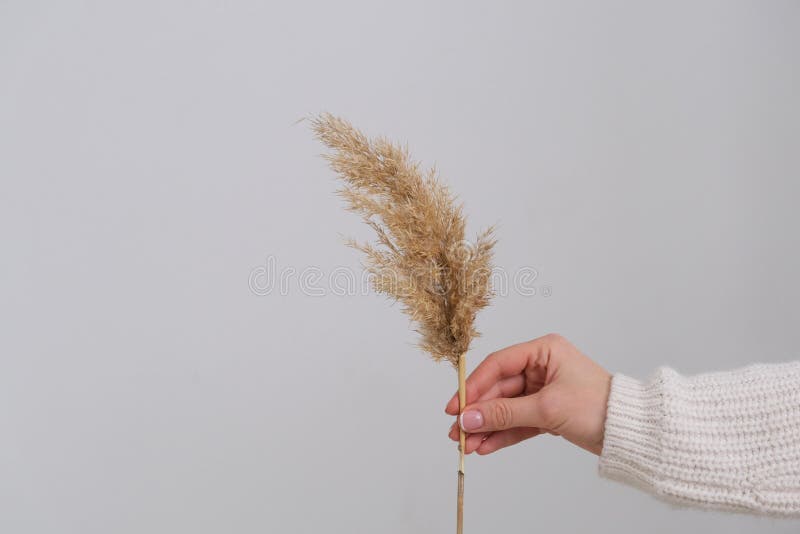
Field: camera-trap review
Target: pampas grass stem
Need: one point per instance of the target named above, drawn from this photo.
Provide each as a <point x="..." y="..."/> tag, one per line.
<point x="462" y="399"/>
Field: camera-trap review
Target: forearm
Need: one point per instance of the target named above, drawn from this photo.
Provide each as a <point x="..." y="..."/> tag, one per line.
<point x="727" y="440"/>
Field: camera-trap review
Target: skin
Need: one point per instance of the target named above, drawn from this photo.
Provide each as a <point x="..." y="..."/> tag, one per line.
<point x="541" y="386"/>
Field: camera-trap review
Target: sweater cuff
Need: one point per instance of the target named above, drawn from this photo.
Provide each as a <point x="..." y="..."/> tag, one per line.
<point x="632" y="441"/>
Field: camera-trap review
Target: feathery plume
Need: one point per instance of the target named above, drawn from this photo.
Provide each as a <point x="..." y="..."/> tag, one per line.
<point x="420" y="257"/>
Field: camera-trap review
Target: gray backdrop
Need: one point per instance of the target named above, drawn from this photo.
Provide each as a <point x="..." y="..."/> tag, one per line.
<point x="641" y="157"/>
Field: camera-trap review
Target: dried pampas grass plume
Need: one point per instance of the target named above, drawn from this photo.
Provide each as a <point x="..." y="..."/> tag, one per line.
<point x="420" y="257"/>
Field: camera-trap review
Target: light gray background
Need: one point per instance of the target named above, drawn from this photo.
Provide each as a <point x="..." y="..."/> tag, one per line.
<point x="643" y="157"/>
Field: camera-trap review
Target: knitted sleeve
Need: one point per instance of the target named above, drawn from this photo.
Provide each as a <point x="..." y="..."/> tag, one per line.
<point x="726" y="441"/>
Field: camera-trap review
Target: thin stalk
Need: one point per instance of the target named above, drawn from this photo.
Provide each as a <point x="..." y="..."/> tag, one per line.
<point x="462" y="398"/>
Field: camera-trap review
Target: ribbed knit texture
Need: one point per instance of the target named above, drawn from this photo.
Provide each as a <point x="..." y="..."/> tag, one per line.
<point x="726" y="441"/>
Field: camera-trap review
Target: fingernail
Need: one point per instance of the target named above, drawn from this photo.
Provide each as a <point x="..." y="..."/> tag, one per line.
<point x="471" y="420"/>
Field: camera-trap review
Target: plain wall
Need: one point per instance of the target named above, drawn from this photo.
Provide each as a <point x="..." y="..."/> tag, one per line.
<point x="642" y="157"/>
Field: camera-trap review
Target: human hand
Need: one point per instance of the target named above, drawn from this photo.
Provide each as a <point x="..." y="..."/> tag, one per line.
<point x="544" y="385"/>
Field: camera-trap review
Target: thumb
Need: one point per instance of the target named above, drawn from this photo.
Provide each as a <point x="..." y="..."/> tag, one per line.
<point x="501" y="414"/>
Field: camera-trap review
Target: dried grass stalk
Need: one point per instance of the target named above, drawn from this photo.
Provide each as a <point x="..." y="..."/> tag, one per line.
<point x="420" y="257"/>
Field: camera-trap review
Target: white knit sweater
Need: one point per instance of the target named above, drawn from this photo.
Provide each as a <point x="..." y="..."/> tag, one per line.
<point x="726" y="441"/>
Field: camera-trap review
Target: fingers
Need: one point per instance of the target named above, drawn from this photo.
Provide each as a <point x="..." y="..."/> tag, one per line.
<point x="505" y="363"/>
<point x="472" y="442"/>
<point x="506" y="387"/>
<point x="488" y="442"/>
<point x="498" y="440"/>
<point x="496" y="414"/>
<point x="504" y="413"/>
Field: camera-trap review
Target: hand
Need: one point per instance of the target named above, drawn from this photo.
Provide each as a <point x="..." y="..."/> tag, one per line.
<point x="544" y="385"/>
